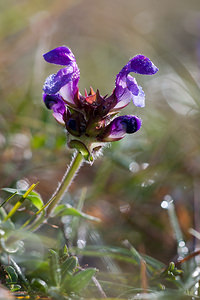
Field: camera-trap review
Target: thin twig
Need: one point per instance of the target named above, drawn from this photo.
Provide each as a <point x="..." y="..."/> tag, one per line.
<point x="99" y="287"/>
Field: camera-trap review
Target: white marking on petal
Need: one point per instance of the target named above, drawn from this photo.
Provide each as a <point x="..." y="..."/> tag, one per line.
<point x="59" y="118"/>
<point x="67" y="93"/>
<point x="139" y="100"/>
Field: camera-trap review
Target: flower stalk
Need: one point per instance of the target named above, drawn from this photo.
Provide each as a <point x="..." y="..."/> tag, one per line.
<point x="65" y="183"/>
<point x="45" y="212"/>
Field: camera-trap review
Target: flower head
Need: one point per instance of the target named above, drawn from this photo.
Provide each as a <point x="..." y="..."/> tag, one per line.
<point x="91" y="119"/>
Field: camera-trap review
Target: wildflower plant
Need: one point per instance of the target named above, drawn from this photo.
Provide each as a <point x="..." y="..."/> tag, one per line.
<point x="92" y="120"/>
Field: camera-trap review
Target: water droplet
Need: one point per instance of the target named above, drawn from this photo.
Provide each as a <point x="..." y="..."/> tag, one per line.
<point x="197" y="287"/>
<point x="147" y="183"/>
<point x="164" y="204"/>
<point x="182" y="249"/>
<point x="124" y="208"/>
<point x="22" y="184"/>
<point x="181" y="244"/>
<point x="168" y="198"/>
<point x="196" y="272"/>
<point x="81" y="244"/>
<point x="2" y="232"/>
<point x="134" y="167"/>
<point x="144" y="166"/>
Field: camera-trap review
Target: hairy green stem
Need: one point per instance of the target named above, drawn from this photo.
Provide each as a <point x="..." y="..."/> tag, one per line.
<point x="57" y="196"/>
<point x="65" y="183"/>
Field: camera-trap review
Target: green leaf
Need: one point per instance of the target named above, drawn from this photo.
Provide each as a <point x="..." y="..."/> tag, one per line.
<point x="39" y="285"/>
<point x="12" y="275"/>
<point x="8" y="225"/>
<point x="154" y="263"/>
<point x="82" y="279"/>
<point x="35" y="200"/>
<point x="134" y="252"/>
<point x="117" y="253"/>
<point x="15" y="287"/>
<point x="69" y="265"/>
<point x="65" y="251"/>
<point x="5" y="201"/>
<point x="55" y="267"/>
<point x="34" y="197"/>
<point x="56" y="294"/>
<point x="12" y="191"/>
<point x="21" y="276"/>
<point x="68" y="210"/>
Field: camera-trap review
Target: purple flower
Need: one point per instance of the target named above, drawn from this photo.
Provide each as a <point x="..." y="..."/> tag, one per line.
<point x="55" y="103"/>
<point x="117" y="128"/>
<point x="92" y="117"/>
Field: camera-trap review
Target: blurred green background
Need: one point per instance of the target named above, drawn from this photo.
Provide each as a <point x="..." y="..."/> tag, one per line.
<point x="125" y="186"/>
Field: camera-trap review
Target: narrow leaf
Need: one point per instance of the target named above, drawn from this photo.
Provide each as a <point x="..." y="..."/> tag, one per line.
<point x="35" y="200"/>
<point x="55" y="267"/>
<point x="69" y="265"/>
<point x="12" y="275"/>
<point x="81" y="279"/>
<point x="4" y="202"/>
<point x="39" y="284"/>
<point x="34" y="197"/>
<point x="68" y="210"/>
<point x="15" y="287"/>
<point x="20" y="274"/>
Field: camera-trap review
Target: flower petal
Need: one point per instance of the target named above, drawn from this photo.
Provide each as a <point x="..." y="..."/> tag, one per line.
<point x="70" y="74"/>
<point x="132" y="85"/>
<point x="126" y="89"/>
<point x="55" y="82"/>
<point x="66" y="93"/>
<point x="142" y="65"/>
<point x="69" y="90"/>
<point x="139" y="100"/>
<point x="60" y="56"/>
<point x="123" y="100"/>
<point x="126" y="86"/>
<point x="117" y="129"/>
<point x="55" y="103"/>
